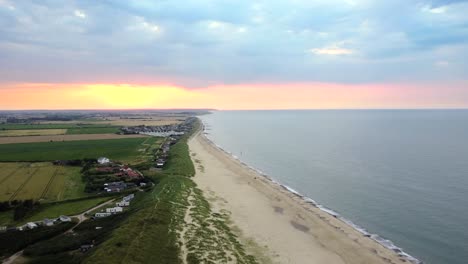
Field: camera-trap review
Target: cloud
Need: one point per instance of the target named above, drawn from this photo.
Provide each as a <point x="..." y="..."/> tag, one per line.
<point x="442" y="64"/>
<point x="331" y="51"/>
<point x="205" y="42"/>
<point x="80" y="14"/>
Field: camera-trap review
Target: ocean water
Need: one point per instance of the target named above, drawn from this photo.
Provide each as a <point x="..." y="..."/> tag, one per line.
<point x="401" y="174"/>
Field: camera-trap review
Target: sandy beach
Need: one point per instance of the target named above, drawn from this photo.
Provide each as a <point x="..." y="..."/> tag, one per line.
<point x="275" y="225"/>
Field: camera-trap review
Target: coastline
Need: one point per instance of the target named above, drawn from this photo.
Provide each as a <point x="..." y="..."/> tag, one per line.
<point x="284" y="226"/>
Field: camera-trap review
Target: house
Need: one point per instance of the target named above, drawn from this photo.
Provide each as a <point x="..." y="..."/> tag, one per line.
<point x="123" y="204"/>
<point x="99" y="215"/>
<point x="84" y="248"/>
<point x="129" y="172"/>
<point x="64" y="218"/>
<point x="31" y="225"/>
<point x="105" y="169"/>
<point x="160" y="163"/>
<point x="114" y="210"/>
<point x="103" y="160"/>
<point x="13" y="228"/>
<point x="128" y="198"/>
<point x="115" y="186"/>
<point x="133" y="174"/>
<point x="48" y="222"/>
<point x="142" y="184"/>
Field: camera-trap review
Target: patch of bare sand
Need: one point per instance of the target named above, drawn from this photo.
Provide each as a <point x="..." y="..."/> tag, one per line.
<point x="287" y="228"/>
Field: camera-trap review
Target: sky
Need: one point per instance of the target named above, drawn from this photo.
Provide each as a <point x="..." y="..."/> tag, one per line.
<point x="233" y="54"/>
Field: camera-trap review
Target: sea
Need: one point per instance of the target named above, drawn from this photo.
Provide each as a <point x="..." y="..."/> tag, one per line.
<point x="400" y="176"/>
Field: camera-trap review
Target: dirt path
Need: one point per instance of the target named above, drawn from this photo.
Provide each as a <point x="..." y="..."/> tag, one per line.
<point x="82" y="217"/>
<point x="187" y="222"/>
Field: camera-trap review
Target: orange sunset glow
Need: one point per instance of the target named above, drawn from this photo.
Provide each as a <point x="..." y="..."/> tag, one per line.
<point x="228" y="97"/>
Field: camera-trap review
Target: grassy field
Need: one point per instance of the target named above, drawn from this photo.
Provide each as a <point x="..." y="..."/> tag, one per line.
<point x="32" y="132"/>
<point x="20" y="181"/>
<point x="67" y="184"/>
<point x="6" y="218"/>
<point x="92" y="130"/>
<point x="49" y="126"/>
<point x="65" y="208"/>
<point x="126" y="150"/>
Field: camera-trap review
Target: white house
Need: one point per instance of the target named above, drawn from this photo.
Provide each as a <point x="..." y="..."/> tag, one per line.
<point x="128" y="198"/>
<point x="103" y="160"/>
<point x="65" y="218"/>
<point x="114" y="210"/>
<point x="31" y="225"/>
<point x="142" y="184"/>
<point x="48" y="222"/>
<point x="123" y="204"/>
<point x="99" y="215"/>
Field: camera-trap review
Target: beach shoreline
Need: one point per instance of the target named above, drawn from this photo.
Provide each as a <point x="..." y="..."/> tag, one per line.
<point x="279" y="223"/>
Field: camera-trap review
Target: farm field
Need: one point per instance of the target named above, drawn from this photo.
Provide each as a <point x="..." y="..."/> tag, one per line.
<point x="20" y="181"/>
<point x="31" y="132"/>
<point x="93" y="130"/>
<point x="126" y="150"/>
<point x="61" y="125"/>
<point x="59" y="138"/>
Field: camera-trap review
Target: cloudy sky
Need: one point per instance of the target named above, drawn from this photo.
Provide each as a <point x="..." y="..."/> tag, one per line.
<point x="235" y="54"/>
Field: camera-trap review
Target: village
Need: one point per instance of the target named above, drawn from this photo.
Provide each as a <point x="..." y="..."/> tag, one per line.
<point x="160" y="131"/>
<point x="129" y="179"/>
<point x="108" y="189"/>
<point x="104" y="167"/>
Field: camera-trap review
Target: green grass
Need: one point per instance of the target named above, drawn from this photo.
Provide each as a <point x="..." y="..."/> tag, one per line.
<point x="146" y="237"/>
<point x="65" y="208"/>
<point x="125" y="149"/>
<point x="66" y="184"/>
<point x="179" y="162"/>
<point x="40" y="181"/>
<point x="6" y="218"/>
<point x="93" y="130"/>
<point x="49" y="126"/>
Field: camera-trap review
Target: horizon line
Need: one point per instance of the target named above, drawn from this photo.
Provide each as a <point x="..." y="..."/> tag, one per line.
<point x="213" y="109"/>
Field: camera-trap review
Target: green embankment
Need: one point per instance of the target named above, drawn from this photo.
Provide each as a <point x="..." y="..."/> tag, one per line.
<point x="126" y="149"/>
<point x="156" y="232"/>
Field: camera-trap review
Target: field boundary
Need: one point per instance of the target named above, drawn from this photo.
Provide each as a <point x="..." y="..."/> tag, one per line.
<point x="51" y="180"/>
